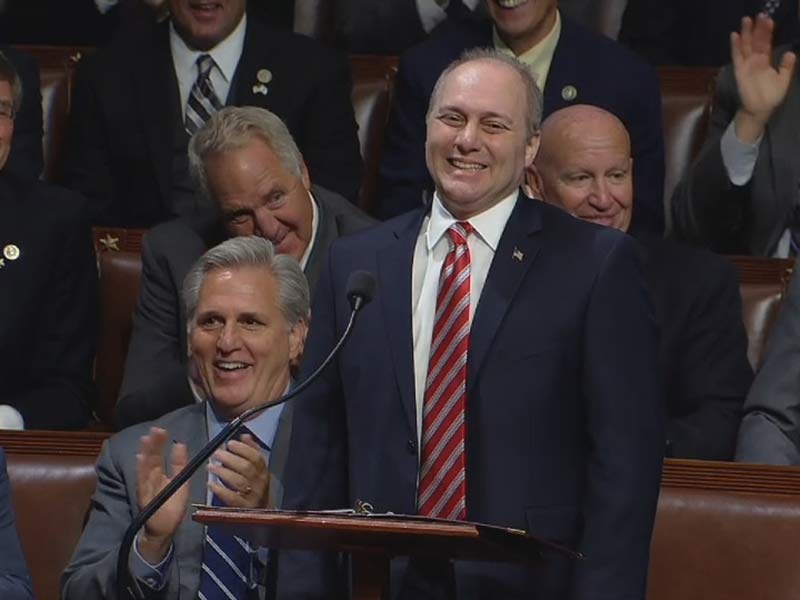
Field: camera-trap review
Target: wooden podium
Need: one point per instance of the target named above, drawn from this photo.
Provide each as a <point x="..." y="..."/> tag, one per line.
<point x="373" y="539"/>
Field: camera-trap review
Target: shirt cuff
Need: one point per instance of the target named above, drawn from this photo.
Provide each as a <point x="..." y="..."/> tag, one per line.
<point x="153" y="576"/>
<point x="431" y="13"/>
<point x="738" y="157"/>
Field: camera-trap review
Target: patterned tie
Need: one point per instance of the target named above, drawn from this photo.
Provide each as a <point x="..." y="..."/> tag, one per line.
<point x="226" y="564"/>
<point x="226" y="559"/>
<point x="442" y="480"/>
<point x="770" y="6"/>
<point x="203" y="101"/>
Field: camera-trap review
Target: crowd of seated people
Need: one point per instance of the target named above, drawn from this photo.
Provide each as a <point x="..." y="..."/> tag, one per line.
<point x="539" y="340"/>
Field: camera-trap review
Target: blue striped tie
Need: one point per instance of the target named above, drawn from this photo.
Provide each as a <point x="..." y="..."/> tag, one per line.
<point x="203" y="101"/>
<point x="226" y="564"/>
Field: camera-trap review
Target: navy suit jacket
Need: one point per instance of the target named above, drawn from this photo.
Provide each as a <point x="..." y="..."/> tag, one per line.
<point x="564" y="412"/>
<point x="15" y="581"/>
<point x="120" y="149"/>
<point x="602" y="72"/>
<point x="48" y="305"/>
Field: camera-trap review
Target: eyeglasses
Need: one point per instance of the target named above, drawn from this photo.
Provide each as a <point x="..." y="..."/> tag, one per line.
<point x="7" y="109"/>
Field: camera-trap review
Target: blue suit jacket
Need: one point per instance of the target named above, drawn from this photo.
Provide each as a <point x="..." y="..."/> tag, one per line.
<point x="15" y="581"/>
<point x="564" y="415"/>
<point x="602" y="72"/>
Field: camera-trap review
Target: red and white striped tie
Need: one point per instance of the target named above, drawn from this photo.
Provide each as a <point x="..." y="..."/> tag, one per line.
<point x="442" y="481"/>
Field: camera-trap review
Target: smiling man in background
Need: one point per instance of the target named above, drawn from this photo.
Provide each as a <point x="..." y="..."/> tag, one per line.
<point x="249" y="168"/>
<point x="586" y="169"/>
<point x="138" y="101"/>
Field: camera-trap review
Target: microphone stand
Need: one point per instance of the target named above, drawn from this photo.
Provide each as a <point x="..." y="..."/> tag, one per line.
<point x="127" y="583"/>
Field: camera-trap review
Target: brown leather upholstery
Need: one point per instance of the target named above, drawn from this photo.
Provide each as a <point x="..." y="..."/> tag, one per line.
<point x="686" y="105"/>
<point x="120" y="267"/>
<point x="726" y="531"/>
<point x="52" y="479"/>
<point x="762" y="283"/>
<point x="373" y="83"/>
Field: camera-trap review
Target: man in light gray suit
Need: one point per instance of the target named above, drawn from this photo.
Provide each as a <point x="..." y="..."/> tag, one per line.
<point x="741" y="195"/>
<point x="247" y="318"/>
<point x="256" y="182"/>
<point x="770" y="429"/>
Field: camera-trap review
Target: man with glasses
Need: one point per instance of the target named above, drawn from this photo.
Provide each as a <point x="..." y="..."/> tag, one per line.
<point x="48" y="304"/>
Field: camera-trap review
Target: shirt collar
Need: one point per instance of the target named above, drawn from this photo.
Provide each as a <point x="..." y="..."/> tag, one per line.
<point x="263" y="425"/>
<point x="489" y="224"/>
<point x="314" y="227"/>
<point x="226" y="54"/>
<point x="540" y="56"/>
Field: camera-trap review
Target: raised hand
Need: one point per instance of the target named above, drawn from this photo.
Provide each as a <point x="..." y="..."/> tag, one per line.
<point x="243" y="471"/>
<point x="762" y="87"/>
<point x="156" y="537"/>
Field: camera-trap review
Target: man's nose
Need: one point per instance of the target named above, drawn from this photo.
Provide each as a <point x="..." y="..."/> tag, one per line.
<point x="468" y="137"/>
<point x="266" y="224"/>
<point x="229" y="338"/>
<point x="601" y="197"/>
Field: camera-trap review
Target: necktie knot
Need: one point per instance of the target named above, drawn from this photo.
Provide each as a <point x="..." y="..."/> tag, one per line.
<point x="204" y="65"/>
<point x="459" y="232"/>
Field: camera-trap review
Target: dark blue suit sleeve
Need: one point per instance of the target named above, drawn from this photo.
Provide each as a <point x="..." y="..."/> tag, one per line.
<point x="625" y="425"/>
<point x="15" y="581"/>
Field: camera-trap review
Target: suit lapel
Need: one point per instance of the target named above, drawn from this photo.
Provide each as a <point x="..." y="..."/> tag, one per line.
<point x="279" y="455"/>
<point x="156" y="88"/>
<point x="246" y="88"/>
<point x="395" y="263"/>
<point x="516" y="252"/>
<point x="562" y="77"/>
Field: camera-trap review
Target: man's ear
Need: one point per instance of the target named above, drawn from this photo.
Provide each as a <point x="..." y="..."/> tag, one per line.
<point x="305" y="176"/>
<point x="297" y="342"/>
<point x="533" y="185"/>
<point x="532" y="149"/>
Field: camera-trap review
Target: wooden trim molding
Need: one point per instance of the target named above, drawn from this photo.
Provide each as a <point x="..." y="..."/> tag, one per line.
<point x="741" y="478"/>
<point x="80" y="443"/>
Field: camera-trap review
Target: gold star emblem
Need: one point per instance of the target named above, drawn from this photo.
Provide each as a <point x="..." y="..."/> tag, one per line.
<point x="109" y="242"/>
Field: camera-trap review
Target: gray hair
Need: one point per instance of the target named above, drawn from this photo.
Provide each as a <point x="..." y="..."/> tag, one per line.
<point x="234" y="127"/>
<point x="533" y="116"/>
<point x="251" y="251"/>
<point x="9" y="73"/>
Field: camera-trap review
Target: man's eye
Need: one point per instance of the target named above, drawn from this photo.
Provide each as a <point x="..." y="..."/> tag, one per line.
<point x="618" y="175"/>
<point x="250" y="322"/>
<point x="277" y="198"/>
<point x="495" y="127"/>
<point x="239" y="219"/>
<point x="451" y="118"/>
<point x="210" y="322"/>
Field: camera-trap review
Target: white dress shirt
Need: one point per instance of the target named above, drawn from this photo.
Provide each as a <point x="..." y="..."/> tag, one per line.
<point x="226" y="56"/>
<point x="431" y="249"/>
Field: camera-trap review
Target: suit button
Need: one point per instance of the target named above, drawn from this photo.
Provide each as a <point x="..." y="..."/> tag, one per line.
<point x="411" y="447"/>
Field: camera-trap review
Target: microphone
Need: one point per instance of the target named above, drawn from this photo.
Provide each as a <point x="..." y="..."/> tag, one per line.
<point x="360" y="290"/>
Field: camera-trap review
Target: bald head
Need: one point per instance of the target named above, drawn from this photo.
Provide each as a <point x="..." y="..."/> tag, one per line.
<point x="585" y="165"/>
